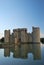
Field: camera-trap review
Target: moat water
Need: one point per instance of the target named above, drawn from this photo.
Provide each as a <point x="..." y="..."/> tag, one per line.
<point x="24" y="54"/>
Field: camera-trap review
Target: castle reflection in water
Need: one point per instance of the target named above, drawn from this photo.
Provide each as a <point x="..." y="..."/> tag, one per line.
<point x="21" y="51"/>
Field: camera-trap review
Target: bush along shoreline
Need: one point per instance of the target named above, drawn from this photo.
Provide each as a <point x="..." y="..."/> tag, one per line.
<point x="42" y="40"/>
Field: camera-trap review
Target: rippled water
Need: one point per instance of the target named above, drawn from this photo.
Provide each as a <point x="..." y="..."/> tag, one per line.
<point x="24" y="54"/>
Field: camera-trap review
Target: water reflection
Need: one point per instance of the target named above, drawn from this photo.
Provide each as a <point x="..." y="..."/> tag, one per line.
<point x="36" y="51"/>
<point x="22" y="50"/>
<point x="7" y="52"/>
<point x="17" y="51"/>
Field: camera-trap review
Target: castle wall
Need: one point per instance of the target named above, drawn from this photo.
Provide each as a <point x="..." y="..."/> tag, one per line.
<point x="29" y="37"/>
<point x="12" y="38"/>
<point x="20" y="35"/>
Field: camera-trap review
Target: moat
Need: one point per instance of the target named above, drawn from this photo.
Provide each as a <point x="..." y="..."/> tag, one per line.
<point x="24" y="54"/>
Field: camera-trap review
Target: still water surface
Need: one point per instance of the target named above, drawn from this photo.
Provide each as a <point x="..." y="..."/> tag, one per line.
<point x="24" y="54"/>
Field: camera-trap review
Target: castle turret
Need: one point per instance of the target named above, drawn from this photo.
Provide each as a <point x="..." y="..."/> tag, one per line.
<point x="24" y="36"/>
<point x="35" y="34"/>
<point x="7" y="36"/>
<point x="17" y="36"/>
<point x="7" y="52"/>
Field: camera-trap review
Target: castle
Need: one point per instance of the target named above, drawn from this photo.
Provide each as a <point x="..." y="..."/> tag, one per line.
<point x="21" y="35"/>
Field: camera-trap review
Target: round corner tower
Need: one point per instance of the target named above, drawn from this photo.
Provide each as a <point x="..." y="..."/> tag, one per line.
<point x="7" y="36"/>
<point x="35" y="34"/>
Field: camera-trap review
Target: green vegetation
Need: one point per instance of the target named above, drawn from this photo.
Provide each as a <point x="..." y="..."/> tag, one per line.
<point x="42" y="40"/>
<point x="2" y="39"/>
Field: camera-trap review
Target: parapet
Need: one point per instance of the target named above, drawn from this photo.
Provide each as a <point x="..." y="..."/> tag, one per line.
<point x="23" y="29"/>
<point x="20" y="29"/>
<point x="35" y="28"/>
<point x="7" y="30"/>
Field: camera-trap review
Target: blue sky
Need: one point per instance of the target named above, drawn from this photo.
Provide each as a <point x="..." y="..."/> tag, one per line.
<point x="20" y="14"/>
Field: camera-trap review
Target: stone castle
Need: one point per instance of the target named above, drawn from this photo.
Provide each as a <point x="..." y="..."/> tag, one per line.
<point x="21" y="35"/>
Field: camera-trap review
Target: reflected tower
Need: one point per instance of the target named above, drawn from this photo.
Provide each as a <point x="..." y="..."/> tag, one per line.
<point x="7" y="52"/>
<point x="17" y="52"/>
<point x="36" y="51"/>
<point x="24" y="50"/>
